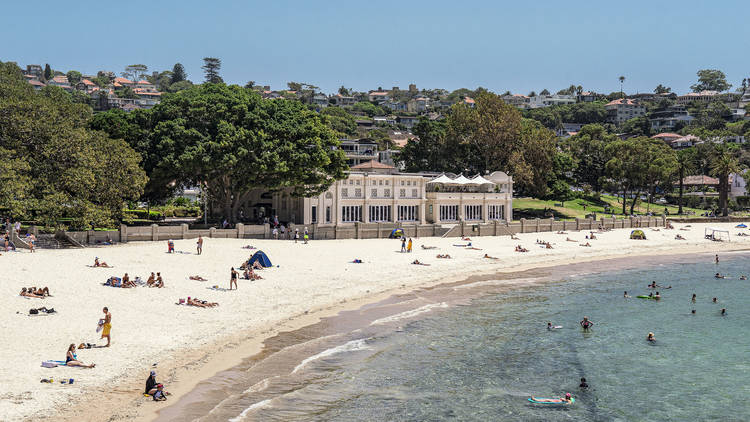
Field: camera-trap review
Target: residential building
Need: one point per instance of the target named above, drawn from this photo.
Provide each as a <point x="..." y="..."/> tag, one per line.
<point x="34" y="70"/>
<point x="342" y="100"/>
<point x="623" y="109"/>
<point x="518" y="100"/>
<point x="706" y="96"/>
<point x="667" y="137"/>
<point x="123" y="82"/>
<point x="359" y="151"/>
<point x="686" y="141"/>
<point x="60" y="81"/>
<point x="540" y="101"/>
<point x="374" y="192"/>
<point x="586" y="97"/>
<point x="320" y="100"/>
<point x="407" y="121"/>
<point x="37" y="84"/>
<point x="378" y="97"/>
<point x="86" y="86"/>
<point x="669" y="118"/>
<point x="469" y="101"/>
<point x="569" y="129"/>
<point x="737" y="185"/>
<point x="396" y="105"/>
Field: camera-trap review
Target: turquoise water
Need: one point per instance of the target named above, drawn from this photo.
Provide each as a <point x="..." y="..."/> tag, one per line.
<point x="481" y="361"/>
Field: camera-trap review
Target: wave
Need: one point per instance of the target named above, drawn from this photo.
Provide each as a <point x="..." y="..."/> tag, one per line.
<point x="350" y="346"/>
<point x="410" y="313"/>
<point x="254" y="406"/>
<point x="259" y="386"/>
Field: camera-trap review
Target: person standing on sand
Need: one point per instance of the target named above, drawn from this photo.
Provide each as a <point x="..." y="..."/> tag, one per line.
<point x="296" y="235"/>
<point x="107" y="327"/>
<point x="233" y="279"/>
<point x="408" y="248"/>
<point x="403" y="244"/>
<point x="200" y="244"/>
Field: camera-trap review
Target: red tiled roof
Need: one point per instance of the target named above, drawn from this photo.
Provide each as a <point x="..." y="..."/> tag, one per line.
<point x="378" y="93"/>
<point x="61" y="79"/>
<point x="87" y="82"/>
<point x="372" y="164"/>
<point x="36" y="83"/>
<point x="142" y="82"/>
<point x="123" y="81"/>
<point x="468" y="100"/>
<point x="667" y="135"/>
<point x="622" y="101"/>
<point x="699" y="180"/>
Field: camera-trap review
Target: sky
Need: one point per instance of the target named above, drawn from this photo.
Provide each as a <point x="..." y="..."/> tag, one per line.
<point x="518" y="46"/>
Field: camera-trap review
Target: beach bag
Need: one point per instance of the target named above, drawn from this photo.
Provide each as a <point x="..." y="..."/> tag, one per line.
<point x="33" y="311"/>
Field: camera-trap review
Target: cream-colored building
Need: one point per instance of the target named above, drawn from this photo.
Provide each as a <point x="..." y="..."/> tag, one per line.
<point x="376" y="193"/>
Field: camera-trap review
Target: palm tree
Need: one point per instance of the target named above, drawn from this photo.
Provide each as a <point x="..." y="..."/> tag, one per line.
<point x="723" y="163"/>
<point x="622" y="81"/>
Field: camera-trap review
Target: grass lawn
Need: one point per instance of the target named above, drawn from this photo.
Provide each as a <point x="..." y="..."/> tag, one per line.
<point x="533" y="208"/>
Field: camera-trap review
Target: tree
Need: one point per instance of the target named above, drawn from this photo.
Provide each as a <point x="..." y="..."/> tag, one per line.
<point x="368" y="108"/>
<point x="637" y="126"/>
<point x="622" y="81"/>
<point x="250" y="84"/>
<point x="126" y="92"/>
<point x="344" y="91"/>
<point x="661" y="89"/>
<point x="162" y="80"/>
<point x="73" y="76"/>
<point x="58" y="167"/>
<point x="340" y="121"/>
<point x="711" y="80"/>
<point x="232" y="142"/>
<point x="544" y="92"/>
<point x="587" y="148"/>
<point x="723" y="163"/>
<point x="429" y="150"/>
<point x="179" y="86"/>
<point x="211" y="67"/>
<point x="294" y="86"/>
<point x="48" y="74"/>
<point x="532" y="94"/>
<point x="685" y="160"/>
<point x="135" y="72"/>
<point x="178" y="73"/>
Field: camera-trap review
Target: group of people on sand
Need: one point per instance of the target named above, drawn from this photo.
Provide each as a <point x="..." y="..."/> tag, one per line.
<point x="194" y="301"/>
<point x="125" y="282"/>
<point x="520" y="248"/>
<point x="546" y="244"/>
<point x="34" y="292"/>
<point x="406" y="247"/>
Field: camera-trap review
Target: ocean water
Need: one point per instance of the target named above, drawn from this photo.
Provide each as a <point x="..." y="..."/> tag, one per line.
<point x="480" y="359"/>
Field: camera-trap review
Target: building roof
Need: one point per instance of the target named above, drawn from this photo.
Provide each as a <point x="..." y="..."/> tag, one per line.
<point x="123" y="81"/>
<point x="36" y="83"/>
<point x="372" y="164"/>
<point x="142" y="82"/>
<point x="87" y="82"/>
<point x="700" y="180"/>
<point x="622" y="101"/>
<point x="60" y="79"/>
<point x="701" y="94"/>
<point x="665" y="135"/>
<point x="686" y="138"/>
<point x="468" y="100"/>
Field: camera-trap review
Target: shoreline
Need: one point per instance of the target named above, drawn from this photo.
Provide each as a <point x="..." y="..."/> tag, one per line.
<point x="185" y="378"/>
<point x="183" y="368"/>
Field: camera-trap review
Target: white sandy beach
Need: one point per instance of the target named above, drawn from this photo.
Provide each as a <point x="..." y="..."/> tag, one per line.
<point x="148" y="328"/>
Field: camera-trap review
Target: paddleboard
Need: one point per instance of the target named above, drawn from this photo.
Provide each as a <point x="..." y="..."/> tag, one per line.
<point x="560" y="402"/>
<point x="645" y="297"/>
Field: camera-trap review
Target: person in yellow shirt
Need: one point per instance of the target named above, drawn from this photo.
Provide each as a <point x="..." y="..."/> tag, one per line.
<point x="408" y="248"/>
<point x="107" y="327"/>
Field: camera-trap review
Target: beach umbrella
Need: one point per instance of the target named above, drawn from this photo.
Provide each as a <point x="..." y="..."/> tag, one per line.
<point x="741" y="226"/>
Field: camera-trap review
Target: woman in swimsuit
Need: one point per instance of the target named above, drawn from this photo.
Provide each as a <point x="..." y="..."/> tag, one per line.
<point x="586" y="324"/>
<point x="71" y="359"/>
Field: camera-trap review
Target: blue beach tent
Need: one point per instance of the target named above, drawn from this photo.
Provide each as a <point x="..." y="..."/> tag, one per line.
<point x="396" y="233"/>
<point x="741" y="226"/>
<point x="261" y="257"/>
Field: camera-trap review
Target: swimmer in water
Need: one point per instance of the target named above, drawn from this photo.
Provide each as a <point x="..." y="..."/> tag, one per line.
<point x="693" y="299"/>
<point x="657" y="296"/>
<point x="723" y="311"/>
<point x="626" y="295"/>
<point x="586" y="324"/>
<point x="693" y="312"/>
<point x="717" y="258"/>
<point x="583" y="384"/>
<point x="713" y="300"/>
<point x="743" y="277"/>
<point x="650" y="337"/>
<point x="549" y="325"/>
<point x="718" y="275"/>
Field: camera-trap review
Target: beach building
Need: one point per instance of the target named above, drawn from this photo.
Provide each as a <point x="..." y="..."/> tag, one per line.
<point x="375" y="192"/>
<point x="622" y="110"/>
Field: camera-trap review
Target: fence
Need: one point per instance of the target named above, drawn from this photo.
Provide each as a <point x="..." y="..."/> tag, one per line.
<point x="155" y="232"/>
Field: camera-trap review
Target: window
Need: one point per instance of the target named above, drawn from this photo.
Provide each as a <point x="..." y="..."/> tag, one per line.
<point x="357" y="182"/>
<point x="380" y="213"/>
<point x="496" y="212"/>
<point x="449" y="212"/>
<point x="344" y="192"/>
<point x="402" y="183"/>
<point x="413" y="193"/>
<point x="374" y="193"/>
<point x="357" y="192"/>
<point x="314" y="214"/>
<point x="407" y="213"/>
<point x="350" y="214"/>
<point x="408" y="183"/>
<point x="387" y="182"/>
<point x="328" y="214"/>
<point x="387" y="193"/>
<point x="381" y="183"/>
<point x="472" y="212"/>
<point x="402" y="193"/>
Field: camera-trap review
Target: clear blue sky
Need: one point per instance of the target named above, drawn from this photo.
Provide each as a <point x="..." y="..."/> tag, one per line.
<point x="501" y="45"/>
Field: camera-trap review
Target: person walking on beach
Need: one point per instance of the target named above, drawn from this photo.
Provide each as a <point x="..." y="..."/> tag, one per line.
<point x="403" y="244"/>
<point x="408" y="248"/>
<point x="233" y="279"/>
<point x="586" y="324"/>
<point x="200" y="244"/>
<point x="107" y="327"/>
<point x="307" y="235"/>
<point x="296" y="235"/>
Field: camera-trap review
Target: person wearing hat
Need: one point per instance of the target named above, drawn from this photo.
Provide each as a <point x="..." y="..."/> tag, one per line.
<point x="160" y="394"/>
<point x="151" y="384"/>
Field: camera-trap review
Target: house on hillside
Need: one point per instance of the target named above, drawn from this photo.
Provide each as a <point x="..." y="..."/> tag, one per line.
<point x="686" y="141"/>
<point x="517" y="100"/>
<point x="86" y="86"/>
<point x="667" y="137"/>
<point x="378" y="97"/>
<point x="586" y="97"/>
<point x="669" y="118"/>
<point x="60" y="81"/>
<point x="320" y="100"/>
<point x="358" y="151"/>
<point x="623" y="109"/>
<point x="34" y="70"/>
<point x="342" y="100"/>
<point x="540" y="101"/>
<point x="408" y="121"/>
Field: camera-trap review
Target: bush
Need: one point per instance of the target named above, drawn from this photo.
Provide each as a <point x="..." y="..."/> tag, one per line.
<point x="142" y="214"/>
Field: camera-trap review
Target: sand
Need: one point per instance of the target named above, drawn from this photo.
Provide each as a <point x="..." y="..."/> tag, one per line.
<point x="187" y="344"/>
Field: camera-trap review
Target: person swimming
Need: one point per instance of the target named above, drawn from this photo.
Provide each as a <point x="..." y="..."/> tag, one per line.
<point x="650" y="337"/>
<point x="583" y="385"/>
<point x="586" y="323"/>
<point x="693" y="299"/>
<point x="626" y="295"/>
<point x="693" y="312"/>
<point x="723" y="311"/>
<point x="713" y="300"/>
<point x="743" y="277"/>
<point x="657" y="296"/>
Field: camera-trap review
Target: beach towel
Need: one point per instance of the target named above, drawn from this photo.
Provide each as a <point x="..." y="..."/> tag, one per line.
<point x="53" y="363"/>
<point x="221" y="289"/>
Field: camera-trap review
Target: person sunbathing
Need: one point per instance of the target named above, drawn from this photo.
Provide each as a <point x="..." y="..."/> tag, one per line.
<point x="71" y="359"/>
<point x="100" y="264"/>
<point x="41" y="292"/>
<point x="113" y="282"/>
<point x="25" y="292"/>
<point x="200" y="303"/>
<point x="587" y="244"/>
<point x="519" y="248"/>
<point x="567" y="239"/>
<point x="548" y="245"/>
<point x="466" y="239"/>
<point x="428" y="247"/>
<point x="562" y="232"/>
<point x="416" y="262"/>
<point x="159" y="281"/>
<point x="248" y="247"/>
<point x="679" y="237"/>
<point x="490" y="257"/>
<point x="196" y="277"/>
<point x="443" y="256"/>
<point x="355" y="261"/>
<point x="127" y="282"/>
<point x="257" y="266"/>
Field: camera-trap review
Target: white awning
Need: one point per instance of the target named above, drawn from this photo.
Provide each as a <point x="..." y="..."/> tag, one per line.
<point x="441" y="179"/>
<point x="481" y="180"/>
<point x="462" y="180"/>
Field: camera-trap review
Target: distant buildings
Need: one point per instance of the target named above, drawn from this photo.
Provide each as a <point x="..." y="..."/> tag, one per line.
<point x="669" y="118"/>
<point x="623" y="109"/>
